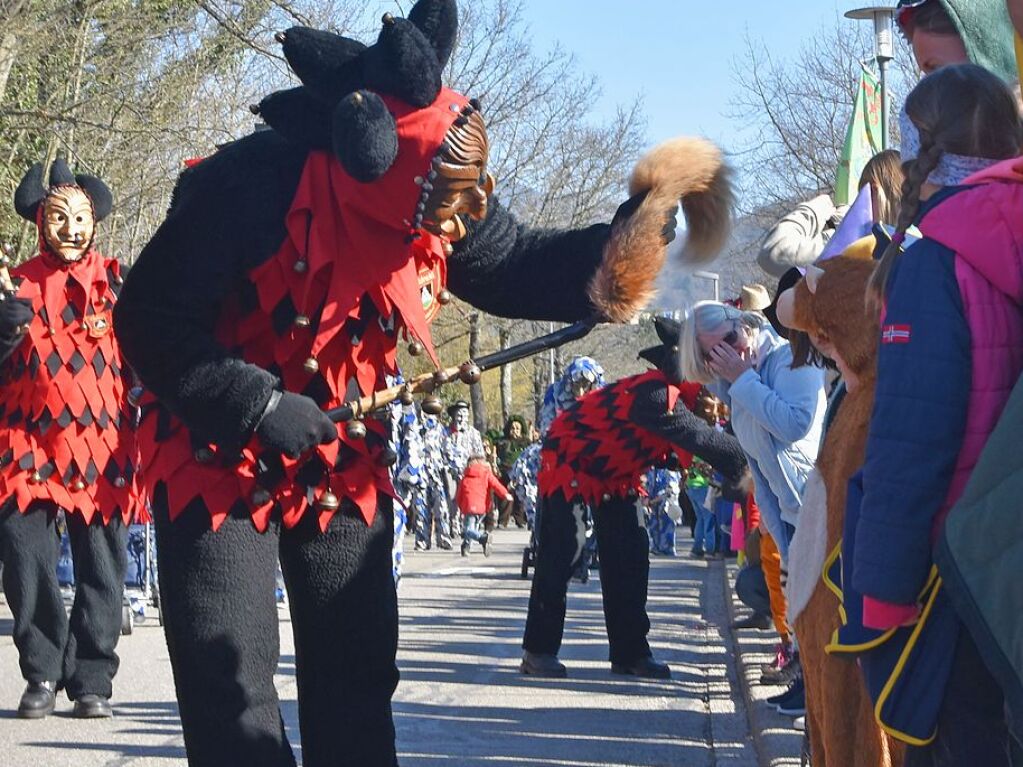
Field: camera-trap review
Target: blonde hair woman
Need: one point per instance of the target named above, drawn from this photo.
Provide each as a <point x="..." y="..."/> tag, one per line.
<point x="777" y="412"/>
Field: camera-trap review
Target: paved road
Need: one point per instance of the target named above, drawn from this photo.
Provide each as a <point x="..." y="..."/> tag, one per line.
<point x="461" y="701"/>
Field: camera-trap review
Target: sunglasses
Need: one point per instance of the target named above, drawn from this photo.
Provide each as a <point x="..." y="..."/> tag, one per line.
<point x="730" y="338"/>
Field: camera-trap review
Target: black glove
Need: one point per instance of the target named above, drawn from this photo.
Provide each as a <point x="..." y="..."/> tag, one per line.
<point x="14" y="313"/>
<point x="631" y="205"/>
<point x="294" y="424"/>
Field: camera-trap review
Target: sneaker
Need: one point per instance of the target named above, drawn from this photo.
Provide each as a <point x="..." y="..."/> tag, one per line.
<point x="782" y="655"/>
<point x="465" y="548"/>
<point x="698" y="553"/>
<point x="444" y="544"/>
<point x="421" y="546"/>
<point x="486" y="544"/>
<point x="539" y="664"/>
<point x="794" y="707"/>
<point x="795" y="691"/>
<point x="785" y="675"/>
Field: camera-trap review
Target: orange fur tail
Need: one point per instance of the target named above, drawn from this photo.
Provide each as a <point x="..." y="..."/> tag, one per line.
<point x="690" y="170"/>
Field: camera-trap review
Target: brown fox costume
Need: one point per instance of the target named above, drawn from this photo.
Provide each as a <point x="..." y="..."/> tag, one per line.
<point x="828" y="305"/>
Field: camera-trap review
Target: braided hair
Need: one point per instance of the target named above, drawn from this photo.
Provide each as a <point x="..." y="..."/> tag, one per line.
<point x="961" y="109"/>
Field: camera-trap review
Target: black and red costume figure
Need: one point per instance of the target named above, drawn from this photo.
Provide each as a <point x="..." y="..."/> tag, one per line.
<point x="594" y="454"/>
<point x="68" y="443"/>
<point x="289" y="266"/>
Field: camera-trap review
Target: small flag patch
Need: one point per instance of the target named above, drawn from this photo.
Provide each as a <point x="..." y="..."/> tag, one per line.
<point x="896" y="334"/>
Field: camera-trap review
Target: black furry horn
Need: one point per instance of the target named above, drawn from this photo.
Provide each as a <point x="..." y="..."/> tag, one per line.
<point x="438" y="21"/>
<point x="325" y="63"/>
<point x="667" y="329"/>
<point x="60" y="173"/>
<point x="298" y="116"/>
<point x="365" y="136"/>
<point x="30" y="193"/>
<point x="403" y="63"/>
<point x="100" y="194"/>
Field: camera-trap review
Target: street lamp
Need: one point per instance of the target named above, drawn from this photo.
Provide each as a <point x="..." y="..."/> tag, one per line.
<point x="883" y="17"/>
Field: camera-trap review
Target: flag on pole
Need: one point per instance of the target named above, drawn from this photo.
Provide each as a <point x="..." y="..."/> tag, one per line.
<point x="862" y="140"/>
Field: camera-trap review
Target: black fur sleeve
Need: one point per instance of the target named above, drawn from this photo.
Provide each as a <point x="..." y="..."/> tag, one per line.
<point x="226" y="216"/>
<point x="683" y="428"/>
<point x="509" y="270"/>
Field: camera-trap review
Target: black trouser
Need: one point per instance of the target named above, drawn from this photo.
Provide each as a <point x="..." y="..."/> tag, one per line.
<point x="77" y="654"/>
<point x="972" y="725"/>
<point x="220" y="618"/>
<point x="624" y="573"/>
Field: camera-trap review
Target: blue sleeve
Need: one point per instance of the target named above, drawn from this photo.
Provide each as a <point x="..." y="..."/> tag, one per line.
<point x="786" y="409"/>
<point x="917" y="426"/>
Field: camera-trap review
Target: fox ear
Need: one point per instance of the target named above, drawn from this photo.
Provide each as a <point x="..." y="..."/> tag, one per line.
<point x="438" y="21"/>
<point x="812" y="277"/>
<point x="30" y="193"/>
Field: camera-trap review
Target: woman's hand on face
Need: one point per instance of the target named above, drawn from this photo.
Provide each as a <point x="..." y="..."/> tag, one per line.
<point x="727" y="363"/>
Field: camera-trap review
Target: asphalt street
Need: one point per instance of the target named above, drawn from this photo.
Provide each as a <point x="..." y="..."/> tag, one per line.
<point x="461" y="701"/>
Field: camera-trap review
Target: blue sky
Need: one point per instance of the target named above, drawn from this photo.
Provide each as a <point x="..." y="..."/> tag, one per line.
<point x="677" y="53"/>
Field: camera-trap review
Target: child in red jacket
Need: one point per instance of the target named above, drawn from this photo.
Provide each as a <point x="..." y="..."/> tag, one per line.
<point x="473" y="498"/>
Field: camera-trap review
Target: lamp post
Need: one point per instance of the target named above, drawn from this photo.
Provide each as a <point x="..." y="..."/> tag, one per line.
<point x="883" y="17"/>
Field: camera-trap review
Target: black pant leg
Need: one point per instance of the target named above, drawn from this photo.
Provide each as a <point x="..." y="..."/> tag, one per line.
<point x="972" y="725"/>
<point x="100" y="561"/>
<point x="220" y="618"/>
<point x="31" y="549"/>
<point x="624" y="574"/>
<point x="344" y="612"/>
<point x="562" y="536"/>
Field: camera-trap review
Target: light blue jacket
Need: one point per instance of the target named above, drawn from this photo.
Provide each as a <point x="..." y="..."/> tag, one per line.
<point x="778" y="417"/>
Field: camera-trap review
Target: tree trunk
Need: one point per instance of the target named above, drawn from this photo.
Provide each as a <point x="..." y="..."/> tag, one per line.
<point x="504" y="335"/>
<point x="479" y="407"/>
<point x="539" y="386"/>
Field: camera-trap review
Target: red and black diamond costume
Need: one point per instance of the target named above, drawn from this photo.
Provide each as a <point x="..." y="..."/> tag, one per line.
<point x="594" y="454"/>
<point x="289" y="266"/>
<point x="68" y="443"/>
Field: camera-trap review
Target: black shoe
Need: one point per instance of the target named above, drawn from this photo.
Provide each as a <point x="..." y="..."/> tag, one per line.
<point x="465" y="548"/>
<point x="38" y="700"/>
<point x="754" y="621"/>
<point x="793" y="704"/>
<point x="538" y="664"/>
<point x="794" y="689"/>
<point x="647" y="667"/>
<point x="486" y="545"/>
<point x="92" y="707"/>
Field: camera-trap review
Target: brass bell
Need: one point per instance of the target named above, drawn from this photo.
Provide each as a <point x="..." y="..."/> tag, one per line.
<point x="448" y="248"/>
<point x="355" y="430"/>
<point x="260" y="496"/>
<point x="78" y="485"/>
<point x="415" y="347"/>
<point x="36" y="478"/>
<point x="300" y="266"/>
<point x="606" y="497"/>
<point x="574" y="484"/>
<point x="203" y="455"/>
<point x="444" y="297"/>
<point x="387" y="458"/>
<point x="406" y="396"/>
<point x="328" y="501"/>
<point x="439" y="378"/>
<point x="120" y="482"/>
<point x="432" y="405"/>
<point x="311" y="366"/>
<point x="301" y="321"/>
<point x="280" y="37"/>
<point x="469" y="373"/>
<point x="387" y="19"/>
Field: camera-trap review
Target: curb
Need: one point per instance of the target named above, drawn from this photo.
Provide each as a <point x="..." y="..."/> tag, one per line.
<point x="740" y="670"/>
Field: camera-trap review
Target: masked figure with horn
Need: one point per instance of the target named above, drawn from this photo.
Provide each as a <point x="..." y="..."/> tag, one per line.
<point x="68" y="444"/>
<point x="290" y="265"/>
<point x="595" y="454"/>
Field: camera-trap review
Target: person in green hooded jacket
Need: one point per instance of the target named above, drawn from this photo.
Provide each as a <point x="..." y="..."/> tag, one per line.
<point x="945" y="32"/>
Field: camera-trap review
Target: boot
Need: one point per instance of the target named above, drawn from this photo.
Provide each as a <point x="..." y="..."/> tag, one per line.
<point x="538" y="664"/>
<point x="92" y="707"/>
<point x="645" y="667"/>
<point x="486" y="544"/>
<point x="38" y="700"/>
<point x="465" y="548"/>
